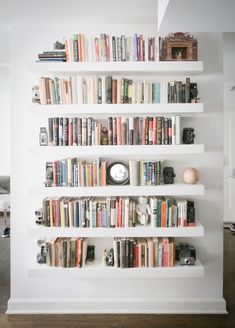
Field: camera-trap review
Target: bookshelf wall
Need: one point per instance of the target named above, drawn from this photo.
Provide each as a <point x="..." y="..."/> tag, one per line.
<point x="95" y="283"/>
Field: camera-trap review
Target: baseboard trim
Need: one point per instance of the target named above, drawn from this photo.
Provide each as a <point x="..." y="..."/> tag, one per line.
<point x="87" y="306"/>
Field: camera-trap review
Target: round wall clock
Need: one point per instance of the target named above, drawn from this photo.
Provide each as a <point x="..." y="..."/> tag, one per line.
<point x="118" y="173"/>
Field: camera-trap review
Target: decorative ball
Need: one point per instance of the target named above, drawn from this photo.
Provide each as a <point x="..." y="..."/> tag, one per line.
<point x="191" y="175"/>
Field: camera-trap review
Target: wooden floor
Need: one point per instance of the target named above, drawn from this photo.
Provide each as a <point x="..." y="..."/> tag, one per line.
<point x="138" y="321"/>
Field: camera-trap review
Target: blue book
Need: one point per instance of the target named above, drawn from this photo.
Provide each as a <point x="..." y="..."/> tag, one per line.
<point x="135" y="47"/>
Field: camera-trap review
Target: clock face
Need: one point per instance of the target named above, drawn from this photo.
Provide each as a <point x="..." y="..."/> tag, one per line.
<point x="118" y="173"/>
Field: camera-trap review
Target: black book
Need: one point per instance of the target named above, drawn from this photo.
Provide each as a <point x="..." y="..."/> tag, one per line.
<point x="50" y="131"/>
<point x="114" y="48"/>
<point x="187" y="90"/>
<point x="127" y="253"/>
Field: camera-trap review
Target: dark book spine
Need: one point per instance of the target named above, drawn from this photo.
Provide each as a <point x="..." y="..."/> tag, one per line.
<point x="75" y="131"/>
<point x="127" y="253"/>
<point x="56" y="131"/>
<point x="110" y="130"/>
<point x="108" y="87"/>
<point x="65" y="131"/>
<point x="114" y="48"/>
<point x="147" y="131"/>
<point x="99" y="90"/>
<point x="61" y="131"/>
<point x="50" y="131"/>
<point x="79" y="131"/>
<point x="187" y="90"/>
<point x="70" y="132"/>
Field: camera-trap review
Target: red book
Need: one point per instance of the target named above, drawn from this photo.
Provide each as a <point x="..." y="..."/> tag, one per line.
<point x="154" y="131"/>
<point x="119" y="130"/>
<point x="136" y="264"/>
<point x="107" y="47"/>
<point x="119" y="219"/>
<point x="150" y="131"/>
<point x="70" y="131"/>
<point x="166" y="251"/>
<point x="144" y="132"/>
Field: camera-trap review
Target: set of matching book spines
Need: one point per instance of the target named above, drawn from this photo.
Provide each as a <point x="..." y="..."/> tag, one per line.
<point x="76" y="131"/>
<point x="111" y="90"/>
<point x="114" y="212"/>
<point x="73" y="172"/>
<point x="127" y="252"/>
<point x="105" y="49"/>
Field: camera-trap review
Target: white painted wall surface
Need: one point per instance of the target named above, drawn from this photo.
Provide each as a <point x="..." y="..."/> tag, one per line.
<point x="5" y="109"/>
<point x="229" y="126"/>
<point x="34" y="295"/>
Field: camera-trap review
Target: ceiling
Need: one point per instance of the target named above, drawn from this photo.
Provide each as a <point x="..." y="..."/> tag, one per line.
<point x="84" y="11"/>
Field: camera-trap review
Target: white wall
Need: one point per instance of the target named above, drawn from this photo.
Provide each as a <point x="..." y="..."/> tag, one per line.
<point x="229" y="125"/>
<point x="5" y="143"/>
<point x="119" y="295"/>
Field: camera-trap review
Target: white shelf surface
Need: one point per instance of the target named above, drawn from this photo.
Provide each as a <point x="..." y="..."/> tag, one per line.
<point x="176" y="189"/>
<point x="50" y="232"/>
<point x="96" y="270"/>
<point x="120" y="109"/>
<point x="134" y="150"/>
<point x="118" y="68"/>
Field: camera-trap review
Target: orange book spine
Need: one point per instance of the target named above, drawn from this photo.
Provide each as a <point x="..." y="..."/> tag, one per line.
<point x="67" y="50"/>
<point x="119" y="220"/>
<point x="166" y="251"/>
<point x="103" y="174"/>
<point x="163" y="218"/>
<point x="79" y="47"/>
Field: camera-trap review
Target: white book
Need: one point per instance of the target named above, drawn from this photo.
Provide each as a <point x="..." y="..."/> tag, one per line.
<point x="177" y="130"/>
<point x="84" y="251"/>
<point x="74" y="89"/>
<point x="103" y="90"/>
<point x="153" y="210"/>
<point x="134" y="173"/>
<point x="115" y="253"/>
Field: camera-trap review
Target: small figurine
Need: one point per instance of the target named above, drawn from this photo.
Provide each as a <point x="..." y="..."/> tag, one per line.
<point x="104" y="257"/>
<point x="143" y="210"/>
<point x="90" y="254"/>
<point x="110" y="258"/>
<point x="59" y="45"/>
<point x="104" y="136"/>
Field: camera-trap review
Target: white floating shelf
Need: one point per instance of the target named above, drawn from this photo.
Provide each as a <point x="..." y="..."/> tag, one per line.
<point x="114" y="151"/>
<point x="121" y="109"/>
<point x="50" y="232"/>
<point x="176" y="189"/>
<point x="118" y="68"/>
<point x="97" y="271"/>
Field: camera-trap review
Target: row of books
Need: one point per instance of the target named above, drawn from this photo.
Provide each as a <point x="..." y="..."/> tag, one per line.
<point x="66" y="252"/>
<point x="111" y="90"/>
<point x="106" y="48"/>
<point x="72" y="172"/>
<point x="145" y="253"/>
<point x="114" y="212"/>
<point x="77" y="131"/>
<point x="127" y="252"/>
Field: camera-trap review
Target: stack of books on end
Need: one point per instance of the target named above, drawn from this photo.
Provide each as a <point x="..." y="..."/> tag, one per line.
<point x="58" y="55"/>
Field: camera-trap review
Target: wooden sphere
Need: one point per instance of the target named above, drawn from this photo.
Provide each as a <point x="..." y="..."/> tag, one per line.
<point x="191" y="175"/>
